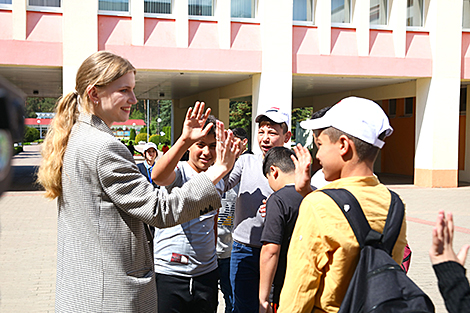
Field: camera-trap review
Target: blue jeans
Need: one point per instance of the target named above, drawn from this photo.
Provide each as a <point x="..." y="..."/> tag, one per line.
<point x="244" y="276"/>
<point x="225" y="286"/>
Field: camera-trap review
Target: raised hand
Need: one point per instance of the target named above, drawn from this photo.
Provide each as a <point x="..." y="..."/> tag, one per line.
<point x="227" y="151"/>
<point x="302" y="169"/>
<point x="442" y="241"/>
<point x="193" y="126"/>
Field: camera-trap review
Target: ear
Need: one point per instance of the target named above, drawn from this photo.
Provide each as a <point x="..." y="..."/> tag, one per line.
<point x="274" y="171"/>
<point x="287" y="136"/>
<point x="93" y="94"/>
<point x="345" y="145"/>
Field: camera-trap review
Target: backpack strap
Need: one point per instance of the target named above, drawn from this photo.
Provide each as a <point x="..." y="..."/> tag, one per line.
<point x="364" y="234"/>
<point x="392" y="227"/>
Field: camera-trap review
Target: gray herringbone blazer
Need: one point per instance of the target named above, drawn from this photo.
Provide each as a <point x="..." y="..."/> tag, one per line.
<point x="104" y="262"/>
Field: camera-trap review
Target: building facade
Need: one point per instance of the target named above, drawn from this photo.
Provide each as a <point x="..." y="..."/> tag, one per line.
<point x="408" y="55"/>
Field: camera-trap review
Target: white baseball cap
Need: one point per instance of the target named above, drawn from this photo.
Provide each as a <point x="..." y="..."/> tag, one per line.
<point x="149" y="145"/>
<point x="358" y="117"/>
<point x="275" y="115"/>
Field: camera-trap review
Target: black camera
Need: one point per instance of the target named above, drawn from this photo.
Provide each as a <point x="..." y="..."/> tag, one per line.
<point x="12" y="103"/>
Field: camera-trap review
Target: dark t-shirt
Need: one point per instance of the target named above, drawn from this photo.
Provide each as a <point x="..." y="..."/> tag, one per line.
<point x="282" y="209"/>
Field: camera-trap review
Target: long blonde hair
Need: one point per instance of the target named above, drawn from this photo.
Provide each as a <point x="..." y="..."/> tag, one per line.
<point x="99" y="69"/>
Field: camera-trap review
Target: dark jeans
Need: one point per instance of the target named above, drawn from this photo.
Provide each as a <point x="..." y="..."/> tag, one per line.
<point x="182" y="294"/>
<point x="244" y="277"/>
<point x="224" y="276"/>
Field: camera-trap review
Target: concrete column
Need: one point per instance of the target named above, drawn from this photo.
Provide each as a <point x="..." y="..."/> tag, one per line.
<point x="138" y="22"/>
<point x="19" y="19"/>
<point x="437" y="99"/>
<point x="78" y="42"/>
<point x="323" y="21"/>
<point x="273" y="87"/>
<point x="224" y="112"/>
<point x="224" y="24"/>
<point x="397" y="22"/>
<point x="182" y="25"/>
<point x="361" y="17"/>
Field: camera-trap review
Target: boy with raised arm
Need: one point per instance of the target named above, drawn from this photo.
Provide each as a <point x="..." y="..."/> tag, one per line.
<point x="248" y="223"/>
<point x="323" y="251"/>
<point x="281" y="213"/>
<point x="185" y="255"/>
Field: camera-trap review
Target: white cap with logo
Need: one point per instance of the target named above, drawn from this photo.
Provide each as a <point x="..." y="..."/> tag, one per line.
<point x="275" y="115"/>
<point x="358" y="117"/>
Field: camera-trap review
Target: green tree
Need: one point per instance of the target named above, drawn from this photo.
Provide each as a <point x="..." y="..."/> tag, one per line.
<point x="143" y="129"/>
<point x="39" y="105"/>
<point x="136" y="115"/>
<point x="132" y="134"/>
<point x="240" y="116"/>
<point x="299" y="115"/>
<point x="30" y="134"/>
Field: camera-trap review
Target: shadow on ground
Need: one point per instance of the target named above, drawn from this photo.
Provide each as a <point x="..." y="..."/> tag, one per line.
<point x="23" y="178"/>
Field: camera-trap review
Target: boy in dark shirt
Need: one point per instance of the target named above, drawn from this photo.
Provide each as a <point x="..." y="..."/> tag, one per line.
<point x="281" y="214"/>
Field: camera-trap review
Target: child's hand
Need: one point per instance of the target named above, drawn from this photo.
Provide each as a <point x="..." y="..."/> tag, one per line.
<point x="302" y="170"/>
<point x="262" y="208"/>
<point x="227" y="151"/>
<point x="442" y="241"/>
<point x="193" y="126"/>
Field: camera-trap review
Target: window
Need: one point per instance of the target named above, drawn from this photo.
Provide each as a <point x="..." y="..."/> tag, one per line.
<point x="5" y="1"/>
<point x="414" y="13"/>
<point x="114" y="5"/>
<point x="201" y="7"/>
<point x="157" y="6"/>
<point x="243" y="8"/>
<point x="340" y="11"/>
<point x="392" y="107"/>
<point x="463" y="99"/>
<point x="44" y="3"/>
<point x="408" y="106"/>
<point x="378" y="12"/>
<point x="465" y="14"/>
<point x="303" y="10"/>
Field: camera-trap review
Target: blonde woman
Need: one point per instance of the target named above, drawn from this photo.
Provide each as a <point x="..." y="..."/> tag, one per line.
<point x="104" y="262"/>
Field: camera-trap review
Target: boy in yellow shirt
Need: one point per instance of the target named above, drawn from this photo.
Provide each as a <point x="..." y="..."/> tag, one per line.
<point x="323" y="251"/>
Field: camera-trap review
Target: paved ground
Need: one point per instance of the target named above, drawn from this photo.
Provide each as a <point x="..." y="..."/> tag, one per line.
<point x="28" y="233"/>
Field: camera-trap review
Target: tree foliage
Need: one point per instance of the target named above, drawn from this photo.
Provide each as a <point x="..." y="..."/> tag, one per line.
<point x="132" y="134"/>
<point x="39" y="105"/>
<point x="299" y="115"/>
<point x="240" y="116"/>
<point x="30" y="134"/>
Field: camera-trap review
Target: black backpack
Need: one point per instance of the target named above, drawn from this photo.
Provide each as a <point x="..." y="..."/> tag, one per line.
<point x="379" y="284"/>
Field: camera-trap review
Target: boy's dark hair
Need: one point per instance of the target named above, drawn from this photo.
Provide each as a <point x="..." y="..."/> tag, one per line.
<point x="320" y="113"/>
<point x="279" y="157"/>
<point x="239" y="133"/>
<point x="213" y="120"/>
<point x="365" y="151"/>
<point x="270" y="121"/>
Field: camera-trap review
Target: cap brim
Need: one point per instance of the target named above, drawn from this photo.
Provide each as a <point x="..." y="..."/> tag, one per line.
<point x="317" y="123"/>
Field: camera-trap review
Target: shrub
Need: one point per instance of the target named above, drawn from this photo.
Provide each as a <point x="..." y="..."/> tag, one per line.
<point x="156" y="139"/>
<point x="31" y="134"/>
<point x="141" y="137"/>
<point x="132" y="134"/>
